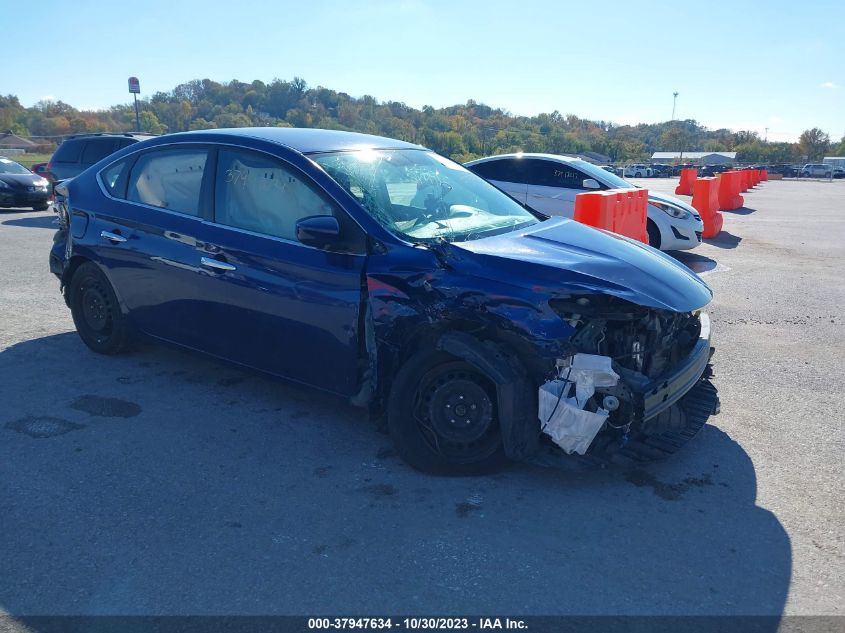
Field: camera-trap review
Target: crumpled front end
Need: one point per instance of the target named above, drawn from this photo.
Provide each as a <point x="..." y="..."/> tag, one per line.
<point x="660" y="358"/>
<point x="519" y="307"/>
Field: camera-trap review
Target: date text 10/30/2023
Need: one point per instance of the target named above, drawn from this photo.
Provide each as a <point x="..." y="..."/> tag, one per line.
<point x="417" y="623"/>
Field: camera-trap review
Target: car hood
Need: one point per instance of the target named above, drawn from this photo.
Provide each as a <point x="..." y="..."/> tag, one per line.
<point x="20" y="180"/>
<point x="567" y="257"/>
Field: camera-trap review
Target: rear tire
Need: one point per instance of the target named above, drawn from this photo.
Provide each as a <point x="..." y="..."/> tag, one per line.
<point x="41" y="207"/>
<point x="96" y="311"/>
<point x="443" y="418"/>
<point x="653" y="234"/>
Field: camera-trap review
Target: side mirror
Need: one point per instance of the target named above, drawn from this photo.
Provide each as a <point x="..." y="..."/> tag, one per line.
<point x="319" y="231"/>
<point x="591" y="183"/>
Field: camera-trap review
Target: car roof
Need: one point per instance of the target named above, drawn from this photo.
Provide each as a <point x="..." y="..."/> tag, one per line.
<point x="110" y="135"/>
<point x="306" y="140"/>
<point x="554" y="157"/>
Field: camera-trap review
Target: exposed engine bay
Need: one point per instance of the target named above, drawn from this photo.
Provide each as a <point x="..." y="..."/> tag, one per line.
<point x="643" y="346"/>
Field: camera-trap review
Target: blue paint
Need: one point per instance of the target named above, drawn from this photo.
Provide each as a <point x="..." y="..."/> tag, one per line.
<point x="301" y="313"/>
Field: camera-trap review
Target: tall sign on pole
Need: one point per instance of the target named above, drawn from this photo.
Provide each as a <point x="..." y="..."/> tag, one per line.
<point x="135" y="89"/>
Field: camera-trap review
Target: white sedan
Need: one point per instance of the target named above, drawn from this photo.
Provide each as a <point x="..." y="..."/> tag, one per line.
<point x="549" y="184"/>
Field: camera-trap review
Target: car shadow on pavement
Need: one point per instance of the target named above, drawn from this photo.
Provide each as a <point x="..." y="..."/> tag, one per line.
<point x="38" y="222"/>
<point x="698" y="264"/>
<point x="724" y="240"/>
<point x="156" y="482"/>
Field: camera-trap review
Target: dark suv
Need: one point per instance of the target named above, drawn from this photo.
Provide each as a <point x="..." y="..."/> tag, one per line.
<point x="79" y="152"/>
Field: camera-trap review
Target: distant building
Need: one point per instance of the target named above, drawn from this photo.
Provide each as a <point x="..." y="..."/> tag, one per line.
<point x="8" y="140"/>
<point x="701" y="158"/>
<point x="836" y="161"/>
<point x="595" y="158"/>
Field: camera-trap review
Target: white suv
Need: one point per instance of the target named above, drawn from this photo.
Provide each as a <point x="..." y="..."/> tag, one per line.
<point x="549" y="184"/>
<point x="637" y="171"/>
<point x="817" y="170"/>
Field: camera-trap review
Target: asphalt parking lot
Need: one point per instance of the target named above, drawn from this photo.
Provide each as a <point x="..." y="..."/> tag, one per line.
<point x="161" y="483"/>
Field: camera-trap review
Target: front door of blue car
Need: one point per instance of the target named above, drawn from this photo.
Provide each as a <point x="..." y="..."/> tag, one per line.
<point x="272" y="302"/>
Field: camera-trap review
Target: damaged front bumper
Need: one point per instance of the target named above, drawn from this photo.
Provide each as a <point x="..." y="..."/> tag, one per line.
<point x="665" y="391"/>
<point x="673" y="408"/>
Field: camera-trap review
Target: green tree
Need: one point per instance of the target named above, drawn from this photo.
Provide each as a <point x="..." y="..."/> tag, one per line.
<point x="151" y="124"/>
<point x="673" y="139"/>
<point x="227" y="119"/>
<point x="202" y="124"/>
<point x="813" y="143"/>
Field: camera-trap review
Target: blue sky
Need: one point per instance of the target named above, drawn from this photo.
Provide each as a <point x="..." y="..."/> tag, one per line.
<point x="741" y="65"/>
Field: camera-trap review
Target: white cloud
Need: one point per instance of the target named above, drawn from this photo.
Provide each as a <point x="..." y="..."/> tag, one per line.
<point x="829" y="84"/>
<point x="48" y="98"/>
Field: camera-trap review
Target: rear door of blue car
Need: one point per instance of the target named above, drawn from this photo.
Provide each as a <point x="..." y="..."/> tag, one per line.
<point x="147" y="234"/>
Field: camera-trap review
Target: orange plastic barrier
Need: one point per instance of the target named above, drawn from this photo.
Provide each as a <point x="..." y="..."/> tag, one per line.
<point x="622" y="211"/>
<point x="688" y="176"/>
<point x="705" y="199"/>
<point x="764" y="174"/>
<point x="743" y="180"/>
<point x="729" y="188"/>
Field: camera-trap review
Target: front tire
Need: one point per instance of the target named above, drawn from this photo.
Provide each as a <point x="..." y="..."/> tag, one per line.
<point x="96" y="311"/>
<point x="41" y="207"/>
<point x="443" y="418"/>
<point x="653" y="234"/>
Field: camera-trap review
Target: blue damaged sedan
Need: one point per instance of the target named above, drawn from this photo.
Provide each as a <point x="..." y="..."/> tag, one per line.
<point x="475" y="329"/>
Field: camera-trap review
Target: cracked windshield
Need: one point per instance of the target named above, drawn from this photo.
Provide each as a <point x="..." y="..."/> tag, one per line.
<point x="421" y="196"/>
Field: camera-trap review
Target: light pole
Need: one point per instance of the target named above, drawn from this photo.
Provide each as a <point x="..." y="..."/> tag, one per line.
<point x="766" y="136"/>
<point x="674" y="101"/>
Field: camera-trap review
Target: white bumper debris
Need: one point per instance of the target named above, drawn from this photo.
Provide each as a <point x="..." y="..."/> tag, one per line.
<point x="563" y="417"/>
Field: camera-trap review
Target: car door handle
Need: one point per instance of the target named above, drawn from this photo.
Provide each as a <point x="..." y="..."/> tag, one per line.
<point x="115" y="238"/>
<point x="208" y="262"/>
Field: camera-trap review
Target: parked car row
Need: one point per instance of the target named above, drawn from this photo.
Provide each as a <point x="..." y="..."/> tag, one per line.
<point x="477" y="328"/>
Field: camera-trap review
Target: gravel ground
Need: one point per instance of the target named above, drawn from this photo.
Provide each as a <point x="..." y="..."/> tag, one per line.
<point x="161" y="483"/>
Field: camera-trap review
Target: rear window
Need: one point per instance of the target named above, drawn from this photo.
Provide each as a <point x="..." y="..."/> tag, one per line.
<point x="97" y="149"/>
<point x="68" y="152"/>
<point x="545" y="173"/>
<point x="504" y="169"/>
<point x="168" y="179"/>
<point x="113" y="178"/>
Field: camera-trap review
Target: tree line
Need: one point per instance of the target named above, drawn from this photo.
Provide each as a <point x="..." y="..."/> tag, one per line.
<point x="462" y="132"/>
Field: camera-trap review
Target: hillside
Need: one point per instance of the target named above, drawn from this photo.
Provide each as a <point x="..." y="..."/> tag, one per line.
<point x="462" y="132"/>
